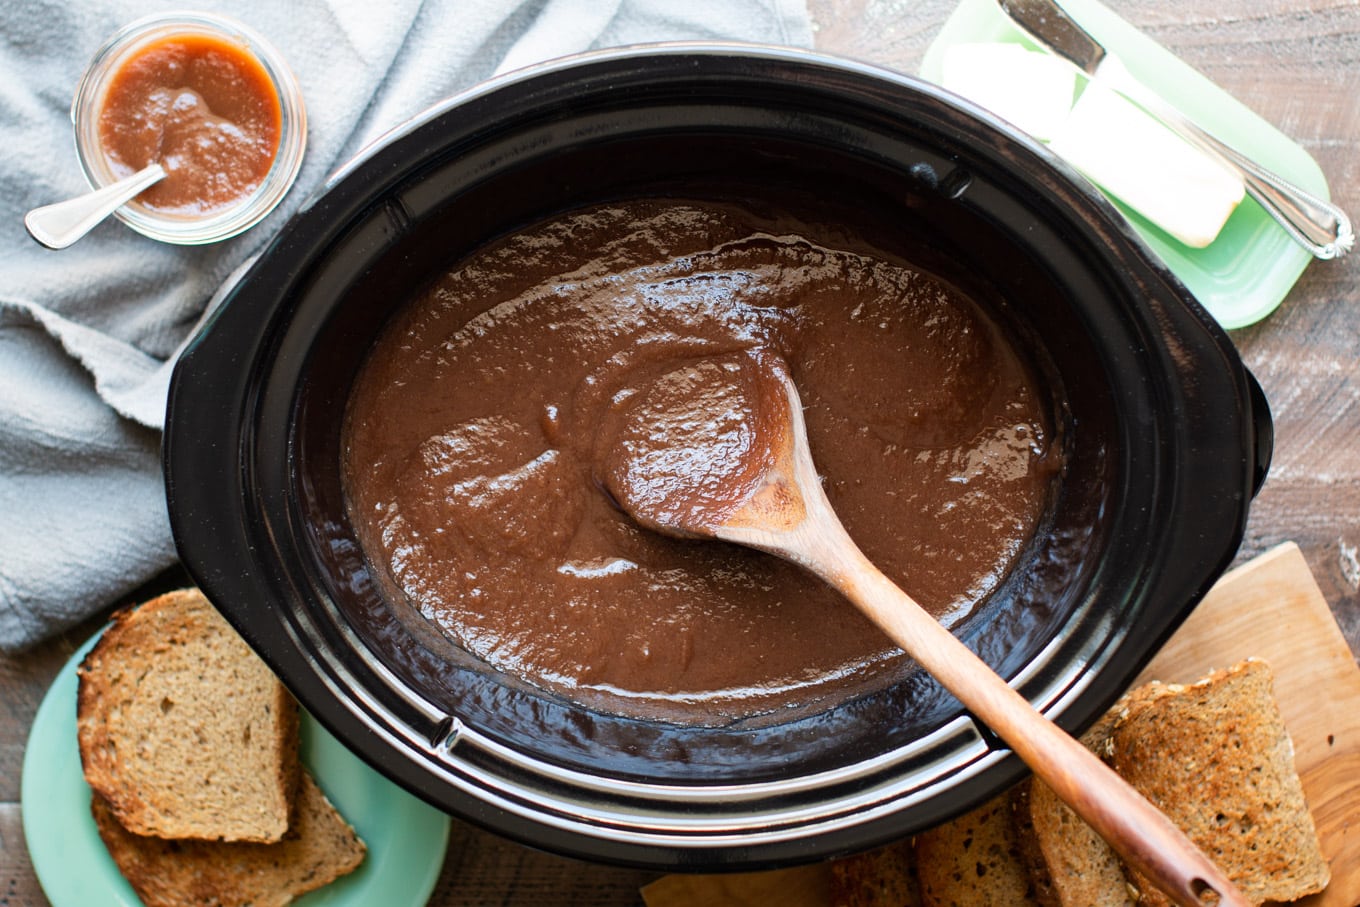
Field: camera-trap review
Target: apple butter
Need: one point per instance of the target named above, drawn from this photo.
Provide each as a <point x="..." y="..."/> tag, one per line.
<point x="478" y="436"/>
<point x="206" y="109"/>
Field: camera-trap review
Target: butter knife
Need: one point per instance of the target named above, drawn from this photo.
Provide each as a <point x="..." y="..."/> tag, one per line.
<point x="1319" y="226"/>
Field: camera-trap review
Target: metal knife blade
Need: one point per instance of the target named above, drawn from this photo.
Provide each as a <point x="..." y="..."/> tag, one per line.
<point x="1048" y="23"/>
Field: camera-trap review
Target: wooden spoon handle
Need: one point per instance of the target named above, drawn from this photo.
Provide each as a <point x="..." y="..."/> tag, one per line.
<point x="789" y="515"/>
<point x="1143" y="836"/>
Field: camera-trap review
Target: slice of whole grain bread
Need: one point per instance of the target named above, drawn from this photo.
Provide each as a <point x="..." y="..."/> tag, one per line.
<point x="1069" y="864"/>
<point x="320" y="848"/>
<point x="183" y="730"/>
<point x="974" y="861"/>
<point x="1216" y="758"/>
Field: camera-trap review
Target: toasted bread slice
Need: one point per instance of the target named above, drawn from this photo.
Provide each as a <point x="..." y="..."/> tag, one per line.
<point x="1069" y="864"/>
<point x="183" y="730"/>
<point x="885" y="877"/>
<point x="974" y="861"/>
<point x="320" y="848"/>
<point x="1216" y="758"/>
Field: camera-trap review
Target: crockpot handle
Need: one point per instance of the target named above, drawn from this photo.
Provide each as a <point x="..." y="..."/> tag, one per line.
<point x="1263" y="432"/>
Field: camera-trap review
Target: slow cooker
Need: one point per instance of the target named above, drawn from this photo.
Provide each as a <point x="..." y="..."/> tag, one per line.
<point x="1169" y="439"/>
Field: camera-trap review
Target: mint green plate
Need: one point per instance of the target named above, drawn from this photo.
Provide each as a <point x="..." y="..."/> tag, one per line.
<point x="406" y="837"/>
<point x="1249" y="269"/>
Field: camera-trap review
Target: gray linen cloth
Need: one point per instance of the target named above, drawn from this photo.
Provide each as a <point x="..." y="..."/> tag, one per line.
<point x="88" y="335"/>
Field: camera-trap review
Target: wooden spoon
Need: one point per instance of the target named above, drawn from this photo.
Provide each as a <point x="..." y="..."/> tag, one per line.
<point x="718" y="449"/>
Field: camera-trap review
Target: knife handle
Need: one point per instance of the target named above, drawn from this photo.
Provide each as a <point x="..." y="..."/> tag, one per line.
<point x="1319" y="226"/>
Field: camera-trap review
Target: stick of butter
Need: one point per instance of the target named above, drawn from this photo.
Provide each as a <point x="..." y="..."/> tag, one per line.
<point x="1030" y="89"/>
<point x="1144" y="164"/>
<point x="1185" y="192"/>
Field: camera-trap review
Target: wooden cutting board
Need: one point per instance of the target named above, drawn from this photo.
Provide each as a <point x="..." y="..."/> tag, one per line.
<point x="1269" y="608"/>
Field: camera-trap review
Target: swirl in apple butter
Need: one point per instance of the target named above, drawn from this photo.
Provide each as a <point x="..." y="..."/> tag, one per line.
<point x="480" y="431"/>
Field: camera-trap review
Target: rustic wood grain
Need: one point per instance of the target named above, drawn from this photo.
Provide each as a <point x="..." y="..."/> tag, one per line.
<point x="1296" y="63"/>
<point x="18" y="885"/>
<point x="482" y="870"/>
<point x="24" y="679"/>
<point x="801" y="886"/>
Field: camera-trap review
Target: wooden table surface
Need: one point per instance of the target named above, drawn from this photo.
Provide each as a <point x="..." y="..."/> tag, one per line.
<point x="1297" y="64"/>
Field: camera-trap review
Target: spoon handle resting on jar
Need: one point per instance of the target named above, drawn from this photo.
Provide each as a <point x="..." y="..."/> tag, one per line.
<point x="59" y="225"/>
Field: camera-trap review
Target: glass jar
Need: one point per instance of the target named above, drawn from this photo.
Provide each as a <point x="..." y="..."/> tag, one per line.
<point x="221" y="222"/>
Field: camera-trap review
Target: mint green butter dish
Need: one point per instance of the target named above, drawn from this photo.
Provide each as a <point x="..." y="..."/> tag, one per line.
<point x="1248" y="270"/>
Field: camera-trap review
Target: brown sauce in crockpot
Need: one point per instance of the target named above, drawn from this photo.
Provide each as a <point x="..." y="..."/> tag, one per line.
<point x="480" y="425"/>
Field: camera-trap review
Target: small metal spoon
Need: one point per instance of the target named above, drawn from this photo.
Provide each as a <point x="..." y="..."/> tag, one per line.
<point x="57" y="226"/>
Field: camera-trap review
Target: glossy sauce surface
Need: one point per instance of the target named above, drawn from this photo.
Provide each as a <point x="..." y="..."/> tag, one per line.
<point x="478" y="437"/>
<point x="206" y="109"/>
<point x="682" y="451"/>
